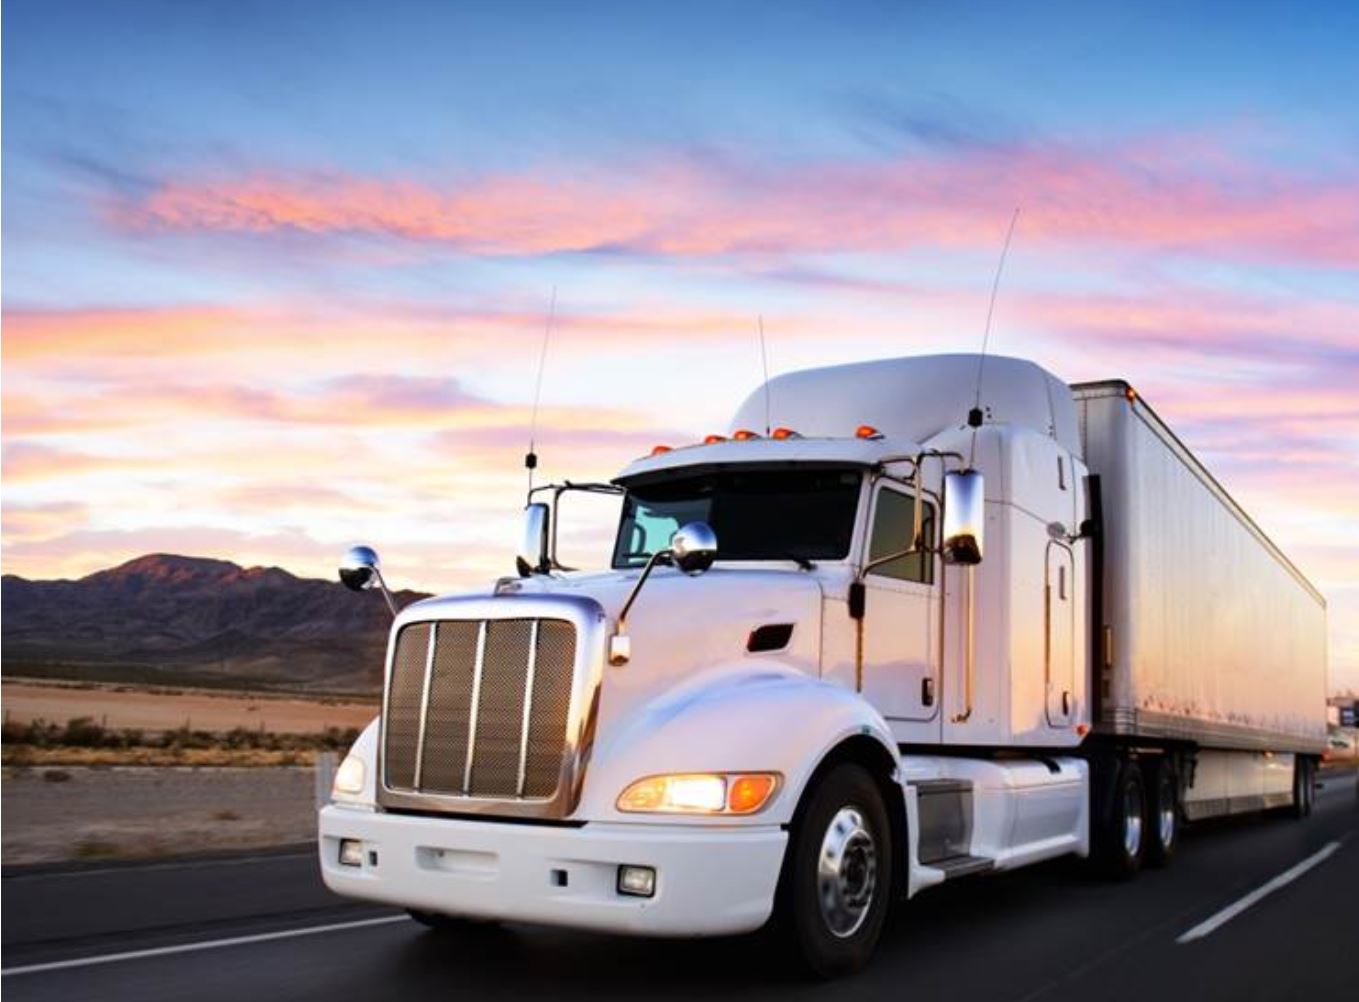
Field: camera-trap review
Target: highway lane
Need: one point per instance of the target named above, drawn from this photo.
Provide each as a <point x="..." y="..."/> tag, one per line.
<point x="1045" y="933"/>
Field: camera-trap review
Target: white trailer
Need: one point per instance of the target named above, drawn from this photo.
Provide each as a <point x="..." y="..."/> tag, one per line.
<point x="869" y="640"/>
<point x="1214" y="642"/>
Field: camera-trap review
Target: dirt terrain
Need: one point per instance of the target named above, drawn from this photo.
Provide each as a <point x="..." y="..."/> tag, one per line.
<point x="53" y="815"/>
<point x="166" y="709"/>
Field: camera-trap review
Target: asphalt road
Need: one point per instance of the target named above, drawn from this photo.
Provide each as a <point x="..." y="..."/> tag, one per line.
<point x="1049" y="932"/>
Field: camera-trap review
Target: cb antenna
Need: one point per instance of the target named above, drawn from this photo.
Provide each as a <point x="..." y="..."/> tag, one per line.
<point x="974" y="416"/>
<point x="531" y="458"/>
<point x="764" y="361"/>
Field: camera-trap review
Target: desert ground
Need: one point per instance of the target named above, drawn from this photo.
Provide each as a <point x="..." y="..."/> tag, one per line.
<point x="118" y="706"/>
<point x="72" y="803"/>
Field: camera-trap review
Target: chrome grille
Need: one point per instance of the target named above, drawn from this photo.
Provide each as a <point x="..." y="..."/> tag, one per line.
<point x="494" y="697"/>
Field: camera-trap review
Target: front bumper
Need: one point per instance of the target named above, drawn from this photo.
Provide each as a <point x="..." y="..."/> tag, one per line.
<point x="709" y="880"/>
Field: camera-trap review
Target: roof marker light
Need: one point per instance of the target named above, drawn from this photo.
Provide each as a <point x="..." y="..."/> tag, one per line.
<point x="1130" y="393"/>
<point x="744" y="435"/>
<point x="867" y="431"/>
<point x="714" y="439"/>
<point x="782" y="433"/>
<point x="660" y="450"/>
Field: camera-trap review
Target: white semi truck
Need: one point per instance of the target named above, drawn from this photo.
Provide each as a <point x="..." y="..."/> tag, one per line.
<point x="871" y="639"/>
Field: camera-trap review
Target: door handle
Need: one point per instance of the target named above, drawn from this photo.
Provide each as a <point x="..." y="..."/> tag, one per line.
<point x="927" y="691"/>
<point x="1066" y="702"/>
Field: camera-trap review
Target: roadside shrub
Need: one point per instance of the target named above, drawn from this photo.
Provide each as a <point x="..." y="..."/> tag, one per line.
<point x="86" y="732"/>
<point x="83" y="732"/>
<point x="184" y="738"/>
<point x="37" y="732"/>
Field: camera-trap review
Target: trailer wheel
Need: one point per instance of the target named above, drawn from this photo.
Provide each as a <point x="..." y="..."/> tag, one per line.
<point x="1163" y="818"/>
<point x="1304" y="787"/>
<point x="1120" y="841"/>
<point x="837" y="880"/>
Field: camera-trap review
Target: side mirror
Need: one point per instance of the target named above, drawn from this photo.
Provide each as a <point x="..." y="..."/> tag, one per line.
<point x="964" y="516"/>
<point x="360" y="569"/>
<point x="694" y="547"/>
<point x="532" y="555"/>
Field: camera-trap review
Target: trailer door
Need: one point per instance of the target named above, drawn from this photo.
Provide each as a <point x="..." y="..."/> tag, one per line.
<point x="1059" y="644"/>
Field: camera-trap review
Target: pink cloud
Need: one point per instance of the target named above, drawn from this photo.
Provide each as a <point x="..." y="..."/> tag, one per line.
<point x="1142" y="197"/>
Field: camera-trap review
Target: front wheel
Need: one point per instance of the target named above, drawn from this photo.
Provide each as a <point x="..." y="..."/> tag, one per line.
<point x="449" y="923"/>
<point x="837" y="880"/>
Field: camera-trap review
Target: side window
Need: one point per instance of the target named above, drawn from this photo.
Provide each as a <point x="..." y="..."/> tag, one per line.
<point x="893" y="522"/>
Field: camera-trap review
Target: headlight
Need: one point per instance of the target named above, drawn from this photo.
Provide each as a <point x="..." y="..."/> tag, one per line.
<point x="349" y="777"/>
<point x="700" y="793"/>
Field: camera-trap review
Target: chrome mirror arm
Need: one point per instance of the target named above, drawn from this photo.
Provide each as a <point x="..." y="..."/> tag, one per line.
<point x="692" y="549"/>
<point x="620" y="648"/>
<point x="386" y="592"/>
<point x="660" y="556"/>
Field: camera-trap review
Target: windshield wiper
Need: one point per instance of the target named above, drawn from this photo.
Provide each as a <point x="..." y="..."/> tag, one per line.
<point x="802" y="562"/>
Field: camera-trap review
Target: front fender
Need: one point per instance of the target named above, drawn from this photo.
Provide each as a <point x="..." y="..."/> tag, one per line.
<point x="731" y="719"/>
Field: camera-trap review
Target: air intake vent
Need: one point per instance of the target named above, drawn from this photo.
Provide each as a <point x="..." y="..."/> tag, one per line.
<point x="769" y="637"/>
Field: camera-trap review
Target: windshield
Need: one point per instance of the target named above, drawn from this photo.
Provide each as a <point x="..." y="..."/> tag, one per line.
<point x="757" y="514"/>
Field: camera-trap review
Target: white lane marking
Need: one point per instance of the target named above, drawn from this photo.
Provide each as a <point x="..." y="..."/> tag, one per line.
<point x="1212" y="924"/>
<point x="212" y="944"/>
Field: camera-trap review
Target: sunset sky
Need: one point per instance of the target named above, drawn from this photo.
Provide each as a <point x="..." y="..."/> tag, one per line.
<point x="275" y="275"/>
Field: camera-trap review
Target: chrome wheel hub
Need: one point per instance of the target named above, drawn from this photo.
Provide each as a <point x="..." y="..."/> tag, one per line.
<point x="1132" y="822"/>
<point x="847" y="873"/>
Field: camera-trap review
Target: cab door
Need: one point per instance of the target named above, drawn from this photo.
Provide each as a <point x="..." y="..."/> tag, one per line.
<point x="1059" y="642"/>
<point x="901" y="618"/>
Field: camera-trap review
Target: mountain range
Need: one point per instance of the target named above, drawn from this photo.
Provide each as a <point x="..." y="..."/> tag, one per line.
<point x="179" y="620"/>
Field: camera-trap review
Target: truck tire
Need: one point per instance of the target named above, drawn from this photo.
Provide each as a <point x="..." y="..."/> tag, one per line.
<point x="1119" y="838"/>
<point x="1304" y="787"/>
<point x="1162" y="827"/>
<point x="450" y="923"/>
<point x="837" y="880"/>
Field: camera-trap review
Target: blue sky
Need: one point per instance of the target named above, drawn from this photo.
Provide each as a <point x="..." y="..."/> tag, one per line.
<point x="248" y="247"/>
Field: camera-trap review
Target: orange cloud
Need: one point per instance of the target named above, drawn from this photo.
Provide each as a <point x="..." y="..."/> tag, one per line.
<point x="42" y="521"/>
<point x="351" y="337"/>
<point x="25" y="461"/>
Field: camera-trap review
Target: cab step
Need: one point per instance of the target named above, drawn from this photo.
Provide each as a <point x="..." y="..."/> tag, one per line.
<point x="963" y="866"/>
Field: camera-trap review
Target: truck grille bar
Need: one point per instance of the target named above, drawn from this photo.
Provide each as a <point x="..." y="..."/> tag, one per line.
<point x="479" y="708"/>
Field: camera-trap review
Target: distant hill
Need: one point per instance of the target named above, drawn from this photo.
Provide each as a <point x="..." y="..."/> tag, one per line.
<point x="191" y="620"/>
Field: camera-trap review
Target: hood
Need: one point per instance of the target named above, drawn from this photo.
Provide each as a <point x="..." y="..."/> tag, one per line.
<point x="684" y="626"/>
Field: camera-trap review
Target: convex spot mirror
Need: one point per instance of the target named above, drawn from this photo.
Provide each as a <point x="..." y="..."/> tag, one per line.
<point x="964" y="516"/>
<point x="360" y="568"/>
<point x="694" y="547"/>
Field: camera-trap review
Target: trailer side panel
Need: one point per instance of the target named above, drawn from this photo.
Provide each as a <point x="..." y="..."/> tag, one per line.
<point x="1214" y="636"/>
